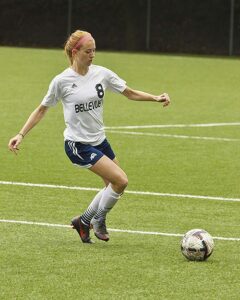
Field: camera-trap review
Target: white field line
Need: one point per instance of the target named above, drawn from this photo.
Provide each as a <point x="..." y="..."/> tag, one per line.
<point x="113" y="230"/>
<point x="208" y="138"/>
<point x="174" y="125"/>
<point x="53" y="186"/>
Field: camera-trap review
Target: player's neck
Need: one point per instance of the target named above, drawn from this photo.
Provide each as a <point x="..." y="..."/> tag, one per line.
<point x="80" y="69"/>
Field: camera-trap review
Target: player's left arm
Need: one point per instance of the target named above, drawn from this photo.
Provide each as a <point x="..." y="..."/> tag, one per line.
<point x="143" y="96"/>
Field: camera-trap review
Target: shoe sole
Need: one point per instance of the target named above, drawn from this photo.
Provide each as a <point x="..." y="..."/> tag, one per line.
<point x="105" y="240"/>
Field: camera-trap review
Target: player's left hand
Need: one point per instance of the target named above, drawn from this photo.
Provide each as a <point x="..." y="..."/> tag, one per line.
<point x="163" y="98"/>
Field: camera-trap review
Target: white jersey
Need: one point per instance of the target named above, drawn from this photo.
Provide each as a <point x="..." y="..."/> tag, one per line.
<point x="82" y="100"/>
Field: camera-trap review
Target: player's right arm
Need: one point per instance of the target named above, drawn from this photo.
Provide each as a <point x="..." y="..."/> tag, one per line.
<point x="33" y="119"/>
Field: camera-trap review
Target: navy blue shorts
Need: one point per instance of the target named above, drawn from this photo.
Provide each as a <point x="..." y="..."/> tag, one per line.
<point x="85" y="155"/>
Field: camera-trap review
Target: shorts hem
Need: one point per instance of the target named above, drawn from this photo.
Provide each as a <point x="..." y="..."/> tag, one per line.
<point x="83" y="166"/>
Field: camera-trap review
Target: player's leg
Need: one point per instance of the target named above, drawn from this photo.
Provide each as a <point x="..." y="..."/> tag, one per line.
<point x="117" y="179"/>
<point x="101" y="160"/>
<point x="82" y="155"/>
<point x="112" y="173"/>
<point x="94" y="205"/>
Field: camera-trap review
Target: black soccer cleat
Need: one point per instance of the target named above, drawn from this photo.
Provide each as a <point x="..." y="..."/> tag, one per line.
<point x="82" y="229"/>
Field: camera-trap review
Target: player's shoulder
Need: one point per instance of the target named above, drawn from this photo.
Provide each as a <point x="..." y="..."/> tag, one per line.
<point x="69" y="72"/>
<point x="64" y="75"/>
<point x="97" y="69"/>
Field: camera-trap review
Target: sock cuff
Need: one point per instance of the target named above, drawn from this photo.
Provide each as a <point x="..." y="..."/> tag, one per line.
<point x="112" y="192"/>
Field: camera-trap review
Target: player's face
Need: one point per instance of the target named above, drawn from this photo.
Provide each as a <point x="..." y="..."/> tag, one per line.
<point x="87" y="53"/>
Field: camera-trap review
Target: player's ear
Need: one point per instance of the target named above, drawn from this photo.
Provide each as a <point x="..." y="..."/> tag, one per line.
<point x="74" y="51"/>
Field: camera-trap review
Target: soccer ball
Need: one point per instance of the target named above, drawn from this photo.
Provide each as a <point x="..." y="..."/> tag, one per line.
<point x="197" y="244"/>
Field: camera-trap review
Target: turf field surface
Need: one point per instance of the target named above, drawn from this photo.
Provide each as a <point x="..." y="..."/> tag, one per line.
<point x="199" y="159"/>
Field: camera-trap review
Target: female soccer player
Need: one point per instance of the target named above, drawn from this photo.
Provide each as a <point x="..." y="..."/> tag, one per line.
<point x="81" y="88"/>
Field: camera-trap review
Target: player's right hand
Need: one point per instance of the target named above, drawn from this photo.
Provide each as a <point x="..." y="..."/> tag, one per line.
<point x="14" y="143"/>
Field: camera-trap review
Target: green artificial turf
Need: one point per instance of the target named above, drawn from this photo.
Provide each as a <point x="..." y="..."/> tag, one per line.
<point x="49" y="262"/>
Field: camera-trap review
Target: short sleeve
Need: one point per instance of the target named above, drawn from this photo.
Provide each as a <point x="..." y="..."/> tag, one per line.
<point x="53" y="95"/>
<point x="114" y="82"/>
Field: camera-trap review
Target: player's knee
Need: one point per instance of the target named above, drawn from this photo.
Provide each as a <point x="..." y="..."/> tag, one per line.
<point x="122" y="182"/>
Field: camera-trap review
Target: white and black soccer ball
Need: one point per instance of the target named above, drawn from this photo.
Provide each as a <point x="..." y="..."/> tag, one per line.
<point x="197" y="244"/>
